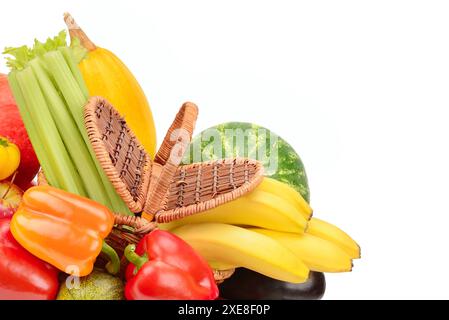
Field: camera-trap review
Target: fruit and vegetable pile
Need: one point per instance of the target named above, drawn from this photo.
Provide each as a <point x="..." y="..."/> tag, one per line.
<point x="55" y="236"/>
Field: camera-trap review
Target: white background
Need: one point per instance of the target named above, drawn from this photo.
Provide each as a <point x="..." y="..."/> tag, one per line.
<point x="359" y="88"/>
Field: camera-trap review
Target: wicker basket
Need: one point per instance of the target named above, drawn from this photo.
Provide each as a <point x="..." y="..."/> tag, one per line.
<point x="130" y="230"/>
<point x="162" y="190"/>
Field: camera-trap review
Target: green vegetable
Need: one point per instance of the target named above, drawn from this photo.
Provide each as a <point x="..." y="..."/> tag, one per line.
<point x="239" y="139"/>
<point x="60" y="164"/>
<point x="96" y="286"/>
<point x="51" y="95"/>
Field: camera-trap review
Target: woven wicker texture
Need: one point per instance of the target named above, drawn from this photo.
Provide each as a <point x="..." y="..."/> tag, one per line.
<point x="124" y="160"/>
<point x="163" y="188"/>
<point x="202" y="186"/>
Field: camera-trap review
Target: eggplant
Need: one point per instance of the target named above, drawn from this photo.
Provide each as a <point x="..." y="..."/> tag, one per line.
<point x="249" y="285"/>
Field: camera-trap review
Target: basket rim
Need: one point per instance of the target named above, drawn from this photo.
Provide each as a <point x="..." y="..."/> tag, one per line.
<point x="247" y="187"/>
<point x="104" y="159"/>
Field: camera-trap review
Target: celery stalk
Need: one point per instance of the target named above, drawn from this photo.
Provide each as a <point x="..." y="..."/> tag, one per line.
<point x="74" y="97"/>
<point x="68" y="130"/>
<point x="33" y="134"/>
<point x="76" y="101"/>
<point x="68" y="56"/>
<point x="59" y="160"/>
<point x="51" y="94"/>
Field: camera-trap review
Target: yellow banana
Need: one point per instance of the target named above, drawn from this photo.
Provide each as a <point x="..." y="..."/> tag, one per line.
<point x="327" y="231"/>
<point x="219" y="265"/>
<point x="236" y="246"/>
<point x="258" y="209"/>
<point x="317" y="254"/>
<point x="284" y="190"/>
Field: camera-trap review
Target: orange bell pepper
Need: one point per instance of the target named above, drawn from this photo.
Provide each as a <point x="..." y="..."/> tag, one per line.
<point x="64" y="229"/>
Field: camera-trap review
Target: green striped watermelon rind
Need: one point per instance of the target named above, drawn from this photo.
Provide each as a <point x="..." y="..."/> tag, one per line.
<point x="241" y="139"/>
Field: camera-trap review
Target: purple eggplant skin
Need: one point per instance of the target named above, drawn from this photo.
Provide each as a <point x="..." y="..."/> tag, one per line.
<point x="249" y="285"/>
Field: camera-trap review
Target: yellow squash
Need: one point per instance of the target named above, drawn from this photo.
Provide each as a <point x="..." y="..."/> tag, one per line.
<point x="107" y="76"/>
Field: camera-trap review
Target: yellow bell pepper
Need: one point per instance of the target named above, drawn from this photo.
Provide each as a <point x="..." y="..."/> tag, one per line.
<point x="9" y="158"/>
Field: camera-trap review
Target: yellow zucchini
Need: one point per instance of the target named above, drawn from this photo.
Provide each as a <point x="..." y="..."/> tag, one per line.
<point x="107" y="76"/>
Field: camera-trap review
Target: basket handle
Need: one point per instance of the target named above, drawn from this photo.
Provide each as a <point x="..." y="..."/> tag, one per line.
<point x="182" y="128"/>
<point x="170" y="154"/>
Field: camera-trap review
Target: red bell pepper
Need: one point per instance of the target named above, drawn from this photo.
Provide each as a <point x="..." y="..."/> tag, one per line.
<point x="165" y="267"/>
<point x="22" y="275"/>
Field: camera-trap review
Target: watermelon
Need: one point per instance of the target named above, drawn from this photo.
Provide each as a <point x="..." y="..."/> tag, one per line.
<point x="241" y="139"/>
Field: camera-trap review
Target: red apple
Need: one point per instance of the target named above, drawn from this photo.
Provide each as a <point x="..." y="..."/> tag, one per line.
<point x="27" y="186"/>
<point x="6" y="96"/>
<point x="10" y="198"/>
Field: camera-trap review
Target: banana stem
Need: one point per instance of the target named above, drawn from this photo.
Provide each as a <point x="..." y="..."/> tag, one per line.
<point x="76" y="32"/>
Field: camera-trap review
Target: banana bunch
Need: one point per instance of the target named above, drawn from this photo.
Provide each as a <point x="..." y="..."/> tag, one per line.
<point x="270" y="231"/>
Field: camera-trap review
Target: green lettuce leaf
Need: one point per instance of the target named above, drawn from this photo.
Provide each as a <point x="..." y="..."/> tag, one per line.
<point x="20" y="56"/>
